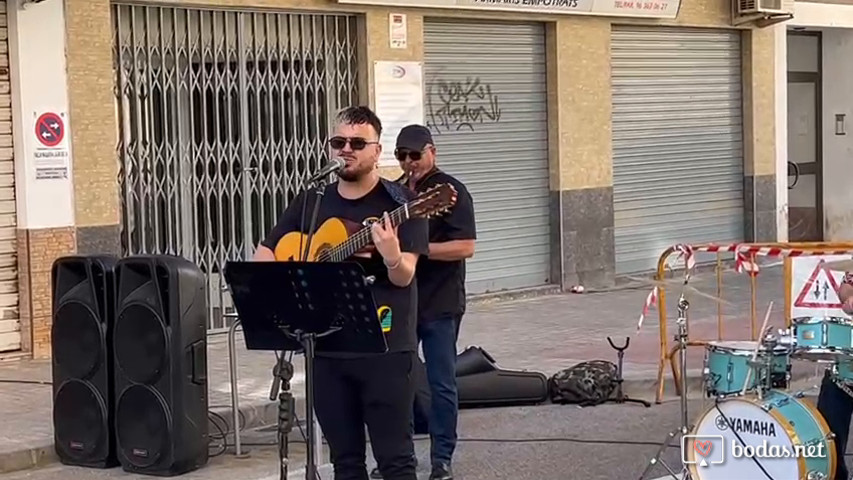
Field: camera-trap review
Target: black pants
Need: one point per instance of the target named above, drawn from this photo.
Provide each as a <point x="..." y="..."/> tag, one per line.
<point x="376" y="391"/>
<point x="836" y="407"/>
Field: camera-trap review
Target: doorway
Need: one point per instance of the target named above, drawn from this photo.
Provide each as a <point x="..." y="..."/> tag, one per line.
<point x="805" y="178"/>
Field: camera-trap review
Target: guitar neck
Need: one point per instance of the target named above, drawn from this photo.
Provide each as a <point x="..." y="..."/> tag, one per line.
<point x="363" y="238"/>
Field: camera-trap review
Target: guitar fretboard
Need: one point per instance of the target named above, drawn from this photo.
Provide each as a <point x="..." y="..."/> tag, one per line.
<point x="362" y="238"/>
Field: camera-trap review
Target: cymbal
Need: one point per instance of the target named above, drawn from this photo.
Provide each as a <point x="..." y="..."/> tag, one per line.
<point x="844" y="265"/>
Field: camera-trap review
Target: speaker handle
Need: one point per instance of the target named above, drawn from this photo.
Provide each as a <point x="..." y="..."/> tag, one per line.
<point x="199" y="353"/>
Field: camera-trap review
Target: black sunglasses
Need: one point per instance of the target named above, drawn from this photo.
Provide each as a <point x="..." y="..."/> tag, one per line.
<point x="401" y="155"/>
<point x="356" y="143"/>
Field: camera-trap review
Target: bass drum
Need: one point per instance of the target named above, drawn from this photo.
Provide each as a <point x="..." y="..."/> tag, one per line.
<point x="770" y="427"/>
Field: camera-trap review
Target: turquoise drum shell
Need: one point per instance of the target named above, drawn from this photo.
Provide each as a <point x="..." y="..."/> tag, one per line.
<point x="844" y="370"/>
<point x="726" y="367"/>
<point x="798" y="415"/>
<point x="822" y="339"/>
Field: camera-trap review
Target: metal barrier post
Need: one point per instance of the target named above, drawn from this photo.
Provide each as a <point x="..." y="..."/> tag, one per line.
<point x="720" y="296"/>
<point x="235" y="396"/>
<point x="788" y="278"/>
<point x="662" y="320"/>
<point x="753" y="286"/>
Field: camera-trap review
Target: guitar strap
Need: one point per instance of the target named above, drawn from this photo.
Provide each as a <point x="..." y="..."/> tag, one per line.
<point x="398" y="192"/>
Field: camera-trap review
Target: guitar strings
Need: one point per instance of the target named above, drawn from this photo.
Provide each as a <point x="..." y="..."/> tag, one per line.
<point x="337" y="252"/>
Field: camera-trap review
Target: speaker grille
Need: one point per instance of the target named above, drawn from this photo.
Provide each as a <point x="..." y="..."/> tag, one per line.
<point x="144" y="429"/>
<point x="79" y="416"/>
<point x="77" y="339"/>
<point x="140" y="344"/>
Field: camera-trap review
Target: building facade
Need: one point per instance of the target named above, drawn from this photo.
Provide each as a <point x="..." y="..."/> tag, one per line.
<point x="815" y="144"/>
<point x="592" y="135"/>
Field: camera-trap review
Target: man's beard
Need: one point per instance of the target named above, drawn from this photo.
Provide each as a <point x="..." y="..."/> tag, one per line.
<point x="354" y="174"/>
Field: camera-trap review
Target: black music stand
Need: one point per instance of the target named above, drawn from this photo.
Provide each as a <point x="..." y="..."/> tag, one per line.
<point x="309" y="307"/>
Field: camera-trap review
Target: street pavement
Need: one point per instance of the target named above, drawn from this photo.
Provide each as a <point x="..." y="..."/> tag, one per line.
<point x="549" y="442"/>
<point x="542" y="333"/>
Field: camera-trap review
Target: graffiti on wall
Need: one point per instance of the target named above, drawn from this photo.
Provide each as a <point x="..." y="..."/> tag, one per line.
<point x="454" y="105"/>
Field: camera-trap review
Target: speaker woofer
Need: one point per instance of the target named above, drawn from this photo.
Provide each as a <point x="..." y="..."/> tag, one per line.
<point x="78" y="342"/>
<point x="79" y="416"/>
<point x="144" y="428"/>
<point x="140" y="344"/>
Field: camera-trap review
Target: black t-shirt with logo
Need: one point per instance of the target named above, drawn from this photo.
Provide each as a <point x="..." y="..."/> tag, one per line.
<point x="441" y="284"/>
<point x="397" y="307"/>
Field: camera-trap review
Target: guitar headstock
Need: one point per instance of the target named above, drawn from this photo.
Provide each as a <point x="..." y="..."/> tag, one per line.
<point x="433" y="201"/>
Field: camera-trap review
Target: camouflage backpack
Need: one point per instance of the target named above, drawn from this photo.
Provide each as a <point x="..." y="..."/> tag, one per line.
<point x="587" y="383"/>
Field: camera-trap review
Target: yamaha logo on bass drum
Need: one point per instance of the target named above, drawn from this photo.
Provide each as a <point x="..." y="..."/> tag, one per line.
<point x="747" y="425"/>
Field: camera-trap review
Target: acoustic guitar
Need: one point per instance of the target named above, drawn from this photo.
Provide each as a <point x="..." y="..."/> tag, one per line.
<point x="338" y="239"/>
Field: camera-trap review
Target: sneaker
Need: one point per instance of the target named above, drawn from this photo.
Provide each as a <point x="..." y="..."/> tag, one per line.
<point x="441" y="471"/>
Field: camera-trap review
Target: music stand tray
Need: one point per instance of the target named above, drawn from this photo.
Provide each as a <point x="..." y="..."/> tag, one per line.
<point x="309" y="307"/>
<point x="277" y="300"/>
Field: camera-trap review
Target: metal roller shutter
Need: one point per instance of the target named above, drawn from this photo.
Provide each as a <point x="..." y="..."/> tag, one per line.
<point x="10" y="323"/>
<point x="677" y="141"/>
<point x="485" y="95"/>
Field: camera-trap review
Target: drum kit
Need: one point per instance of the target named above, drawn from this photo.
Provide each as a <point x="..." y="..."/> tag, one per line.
<point x="756" y="428"/>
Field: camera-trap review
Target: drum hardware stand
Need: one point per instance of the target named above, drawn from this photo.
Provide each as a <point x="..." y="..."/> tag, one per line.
<point x="765" y="365"/>
<point x="681" y="338"/>
<point x="620" y="395"/>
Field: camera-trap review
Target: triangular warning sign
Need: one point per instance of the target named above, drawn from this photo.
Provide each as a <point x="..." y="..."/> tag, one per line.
<point x="820" y="291"/>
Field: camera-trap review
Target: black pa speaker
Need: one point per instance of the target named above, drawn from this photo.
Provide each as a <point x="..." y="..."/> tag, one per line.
<point x="83" y="292"/>
<point x="160" y="342"/>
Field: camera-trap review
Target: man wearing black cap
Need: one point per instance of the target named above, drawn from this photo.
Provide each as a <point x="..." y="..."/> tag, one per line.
<point x="441" y="289"/>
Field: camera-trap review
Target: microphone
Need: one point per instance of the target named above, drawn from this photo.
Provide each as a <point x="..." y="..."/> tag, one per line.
<point x="333" y="166"/>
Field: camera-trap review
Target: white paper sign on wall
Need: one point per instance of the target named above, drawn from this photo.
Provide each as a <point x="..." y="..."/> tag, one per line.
<point x="398" y="31"/>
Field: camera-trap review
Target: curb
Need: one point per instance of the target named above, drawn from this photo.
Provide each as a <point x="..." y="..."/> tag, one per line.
<point x="27" y="458"/>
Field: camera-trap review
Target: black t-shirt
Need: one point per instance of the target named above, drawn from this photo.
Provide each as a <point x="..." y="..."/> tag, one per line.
<point x="441" y="284"/>
<point x="397" y="306"/>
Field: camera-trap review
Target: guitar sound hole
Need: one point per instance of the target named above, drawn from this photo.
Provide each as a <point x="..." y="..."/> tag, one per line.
<point x="324" y="251"/>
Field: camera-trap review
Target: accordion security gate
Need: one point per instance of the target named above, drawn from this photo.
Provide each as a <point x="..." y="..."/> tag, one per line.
<point x="222" y="114"/>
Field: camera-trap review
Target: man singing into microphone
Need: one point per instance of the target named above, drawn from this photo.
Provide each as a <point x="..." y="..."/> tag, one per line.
<point x="352" y="390"/>
<point x="833" y="403"/>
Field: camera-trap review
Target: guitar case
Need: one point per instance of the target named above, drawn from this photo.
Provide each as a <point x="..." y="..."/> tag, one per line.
<point x="482" y="383"/>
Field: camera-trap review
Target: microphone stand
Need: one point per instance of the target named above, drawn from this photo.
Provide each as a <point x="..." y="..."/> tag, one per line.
<point x="282" y="374"/>
<point x="320" y="180"/>
<point x="319" y="190"/>
<point x="283" y="369"/>
<point x="314" y="440"/>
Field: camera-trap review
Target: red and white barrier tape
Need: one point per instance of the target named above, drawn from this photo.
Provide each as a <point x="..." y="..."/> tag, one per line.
<point x="650" y="302"/>
<point x="686" y="253"/>
<point x="743" y="263"/>
<point x="767" y="251"/>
